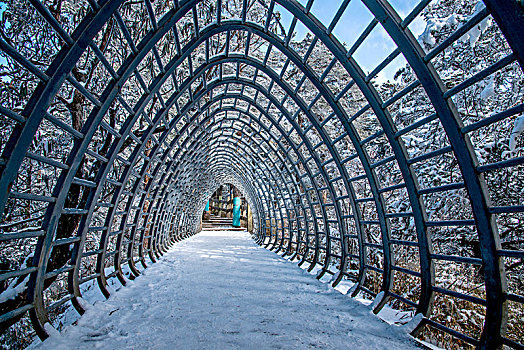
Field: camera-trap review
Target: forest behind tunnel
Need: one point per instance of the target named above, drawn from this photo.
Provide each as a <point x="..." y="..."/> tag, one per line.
<point x="376" y="143"/>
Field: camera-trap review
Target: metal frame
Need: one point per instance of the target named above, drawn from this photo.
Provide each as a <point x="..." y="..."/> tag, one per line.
<point x="293" y="213"/>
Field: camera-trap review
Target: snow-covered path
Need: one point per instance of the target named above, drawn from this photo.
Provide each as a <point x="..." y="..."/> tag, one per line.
<point x="219" y="290"/>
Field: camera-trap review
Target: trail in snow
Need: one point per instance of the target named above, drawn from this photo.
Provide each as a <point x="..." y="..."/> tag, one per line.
<point x="219" y="290"/>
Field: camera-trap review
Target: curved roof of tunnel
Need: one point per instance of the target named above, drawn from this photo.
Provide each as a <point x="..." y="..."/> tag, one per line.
<point x="381" y="152"/>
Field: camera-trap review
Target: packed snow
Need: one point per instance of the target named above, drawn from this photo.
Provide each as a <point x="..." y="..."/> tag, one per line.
<point x="220" y="290"/>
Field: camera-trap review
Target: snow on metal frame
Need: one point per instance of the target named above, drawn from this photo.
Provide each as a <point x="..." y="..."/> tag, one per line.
<point x="266" y="119"/>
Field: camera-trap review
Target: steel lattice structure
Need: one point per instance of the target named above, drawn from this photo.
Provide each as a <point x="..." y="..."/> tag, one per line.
<point x="240" y="117"/>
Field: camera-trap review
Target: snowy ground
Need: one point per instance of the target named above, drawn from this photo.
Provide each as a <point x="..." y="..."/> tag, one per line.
<point x="219" y="290"/>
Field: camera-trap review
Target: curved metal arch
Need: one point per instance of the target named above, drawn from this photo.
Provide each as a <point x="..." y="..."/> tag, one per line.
<point x="275" y="40"/>
<point x="53" y="78"/>
<point x="174" y="140"/>
<point x="290" y="119"/>
<point x="279" y="156"/>
<point x="250" y="141"/>
<point x="212" y="30"/>
<point x="272" y="136"/>
<point x="262" y="186"/>
<point x="144" y="106"/>
<point x="396" y="144"/>
<point x="492" y="334"/>
<point x="129" y="125"/>
<point x="222" y="151"/>
<point x="468" y="162"/>
<point x="305" y="140"/>
<point x="248" y="144"/>
<point x="290" y="142"/>
<point x="269" y="134"/>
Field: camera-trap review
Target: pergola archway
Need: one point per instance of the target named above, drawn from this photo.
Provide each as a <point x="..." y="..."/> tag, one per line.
<point x="322" y="189"/>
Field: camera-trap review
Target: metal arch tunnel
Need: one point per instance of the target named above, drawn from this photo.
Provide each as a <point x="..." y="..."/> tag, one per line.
<point x="234" y="118"/>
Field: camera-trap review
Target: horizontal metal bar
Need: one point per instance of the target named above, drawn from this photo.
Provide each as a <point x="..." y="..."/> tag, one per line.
<point x="382" y="65"/>
<point x="62" y="125"/>
<point x="97" y="228"/>
<point x="414" y="13"/>
<point x="451" y="331"/>
<point x="94" y="100"/>
<point x="24" y="62"/>
<point x="493" y="118"/>
<point x="511" y="253"/>
<point x="392" y="188"/>
<point x="430" y="155"/>
<point x="461" y="30"/>
<point x="450" y="223"/>
<point x="416" y="124"/>
<point x="66" y="241"/>
<point x="110" y="129"/>
<point x="383" y="161"/>
<point x="60" y="302"/>
<point x="349" y="158"/>
<point x="455" y="258"/>
<point x="21" y="235"/>
<point x="373" y="245"/>
<point x="459" y="295"/>
<point x="362" y="37"/>
<point x="104" y="60"/>
<point x="363" y="200"/>
<point x="338" y="138"/>
<point x="512" y="343"/>
<point x="367" y="290"/>
<point x="370" y="222"/>
<point x="402" y="242"/>
<point x="104" y="205"/>
<point x="91" y="253"/>
<point x="406" y="271"/>
<point x="12" y="115"/>
<point x="123" y="161"/>
<point x="114" y="182"/>
<point x="31" y="197"/>
<point x="97" y="156"/>
<point x="358" y="178"/>
<point x="46" y="160"/>
<point x="376" y="269"/>
<point x="480" y="75"/>
<point x="515" y="297"/>
<point x="14" y="313"/>
<point x="399" y="215"/>
<point x="74" y="211"/>
<point x="402" y="299"/>
<point x="401" y="94"/>
<point x="52" y="21"/>
<point x="88" y="278"/>
<point x="83" y="182"/>
<point x="59" y="271"/>
<point x="372" y="137"/>
<point x="443" y="188"/>
<point x="502" y="164"/>
<point x="11" y="274"/>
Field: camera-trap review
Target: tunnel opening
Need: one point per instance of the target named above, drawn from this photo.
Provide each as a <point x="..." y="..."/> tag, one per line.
<point x="387" y="154"/>
<point x="226" y="208"/>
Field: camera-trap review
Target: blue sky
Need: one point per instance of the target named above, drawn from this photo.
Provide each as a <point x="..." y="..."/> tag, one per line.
<point x="2" y="9"/>
<point x="355" y="19"/>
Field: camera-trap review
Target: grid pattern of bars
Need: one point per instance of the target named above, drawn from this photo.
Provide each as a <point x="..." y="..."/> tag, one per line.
<point x="205" y="113"/>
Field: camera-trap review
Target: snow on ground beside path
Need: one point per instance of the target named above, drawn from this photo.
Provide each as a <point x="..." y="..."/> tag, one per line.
<point x="219" y="290"/>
